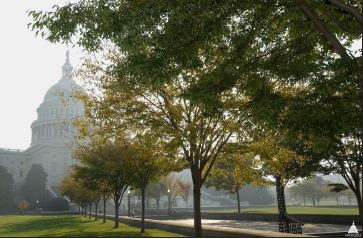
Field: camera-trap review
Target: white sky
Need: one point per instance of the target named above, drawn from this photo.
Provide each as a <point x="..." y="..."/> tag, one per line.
<point x="29" y="65"/>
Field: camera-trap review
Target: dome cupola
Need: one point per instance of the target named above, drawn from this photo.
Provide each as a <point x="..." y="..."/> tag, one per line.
<point x="58" y="109"/>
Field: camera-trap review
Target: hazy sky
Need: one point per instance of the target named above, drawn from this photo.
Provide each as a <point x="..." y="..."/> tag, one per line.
<point x="29" y="65"/>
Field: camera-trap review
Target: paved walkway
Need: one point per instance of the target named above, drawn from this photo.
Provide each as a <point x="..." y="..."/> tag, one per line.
<point x="268" y="226"/>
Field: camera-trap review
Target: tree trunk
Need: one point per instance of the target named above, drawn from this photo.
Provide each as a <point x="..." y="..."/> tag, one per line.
<point x="304" y="200"/>
<point x="313" y="200"/>
<point x="79" y="210"/>
<point x="197" y="184"/>
<point x="157" y="202"/>
<point x="238" y="200"/>
<point x="142" y="210"/>
<point x="104" y="209"/>
<point x="337" y="198"/>
<point x="281" y="206"/>
<point x="96" y="209"/>
<point x="90" y="211"/>
<point x="360" y="199"/>
<point x="116" y="213"/>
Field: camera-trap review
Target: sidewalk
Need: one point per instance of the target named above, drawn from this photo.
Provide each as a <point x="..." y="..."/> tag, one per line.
<point x="267" y="226"/>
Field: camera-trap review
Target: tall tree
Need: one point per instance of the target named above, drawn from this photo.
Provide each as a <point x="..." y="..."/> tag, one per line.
<point x="104" y="161"/>
<point x="6" y="189"/>
<point x="34" y="188"/>
<point x="284" y="165"/>
<point x="147" y="163"/>
<point x="193" y="132"/>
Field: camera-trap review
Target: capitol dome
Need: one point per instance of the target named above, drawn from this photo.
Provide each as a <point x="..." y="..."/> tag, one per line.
<point x="57" y="110"/>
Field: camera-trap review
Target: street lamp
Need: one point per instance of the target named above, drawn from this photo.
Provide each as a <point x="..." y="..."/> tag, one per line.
<point x="169" y="201"/>
<point x="37" y="203"/>
<point x="128" y="203"/>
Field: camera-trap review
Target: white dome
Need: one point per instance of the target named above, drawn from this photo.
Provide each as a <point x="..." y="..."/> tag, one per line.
<point x="58" y="109"/>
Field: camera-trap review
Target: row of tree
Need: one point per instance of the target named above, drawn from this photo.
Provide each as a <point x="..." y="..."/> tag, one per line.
<point x="277" y="79"/>
<point x="316" y="188"/>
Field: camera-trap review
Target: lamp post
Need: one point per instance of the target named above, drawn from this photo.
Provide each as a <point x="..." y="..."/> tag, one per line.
<point x="37" y="203"/>
<point x="169" y="201"/>
<point x="128" y="203"/>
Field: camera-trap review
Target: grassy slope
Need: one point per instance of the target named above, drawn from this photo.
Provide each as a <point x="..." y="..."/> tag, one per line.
<point x="69" y="226"/>
<point x="297" y="210"/>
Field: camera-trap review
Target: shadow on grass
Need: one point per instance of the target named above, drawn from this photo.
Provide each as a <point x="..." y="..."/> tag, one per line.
<point x="66" y="227"/>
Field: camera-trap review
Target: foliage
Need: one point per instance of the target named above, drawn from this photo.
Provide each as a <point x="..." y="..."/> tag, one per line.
<point x="58" y="204"/>
<point x="278" y="159"/>
<point x="233" y="171"/>
<point x="314" y="187"/>
<point x="6" y="189"/>
<point x="337" y="187"/>
<point x="256" y="196"/>
<point x="23" y="205"/>
<point x="156" y="191"/>
<point x="34" y="188"/>
<point x="185" y="190"/>
<point x="104" y="166"/>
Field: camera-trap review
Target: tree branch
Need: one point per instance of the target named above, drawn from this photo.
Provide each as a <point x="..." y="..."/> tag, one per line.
<point x="322" y="28"/>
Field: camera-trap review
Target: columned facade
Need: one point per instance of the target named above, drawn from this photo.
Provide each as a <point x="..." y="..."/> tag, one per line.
<point x="53" y="134"/>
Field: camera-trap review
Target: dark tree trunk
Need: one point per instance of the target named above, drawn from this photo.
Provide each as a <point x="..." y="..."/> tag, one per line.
<point x="337" y="198"/>
<point x="117" y="205"/>
<point x="238" y="200"/>
<point x="197" y="184"/>
<point x="90" y="211"/>
<point x="281" y="206"/>
<point x="157" y="202"/>
<point x="142" y="210"/>
<point x="96" y="209"/>
<point x="304" y="200"/>
<point x="360" y="199"/>
<point x="313" y="200"/>
<point x="79" y="209"/>
<point x="104" y="209"/>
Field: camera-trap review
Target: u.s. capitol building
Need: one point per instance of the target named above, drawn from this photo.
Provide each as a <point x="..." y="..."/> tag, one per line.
<point x="52" y="134"/>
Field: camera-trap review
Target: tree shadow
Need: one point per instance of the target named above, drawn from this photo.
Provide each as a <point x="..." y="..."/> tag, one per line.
<point x="66" y="227"/>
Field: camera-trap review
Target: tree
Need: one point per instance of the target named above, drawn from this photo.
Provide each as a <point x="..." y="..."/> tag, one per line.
<point x="344" y="159"/>
<point x="34" y="188"/>
<point x="196" y="135"/>
<point x="313" y="187"/>
<point x="186" y="190"/>
<point x="58" y="204"/>
<point x="173" y="189"/>
<point x="337" y="188"/>
<point x="283" y="164"/>
<point x="73" y="189"/>
<point x="6" y="189"/>
<point x="233" y="171"/>
<point x="23" y="205"/>
<point x="146" y="163"/>
<point x="104" y="161"/>
<point x="156" y="190"/>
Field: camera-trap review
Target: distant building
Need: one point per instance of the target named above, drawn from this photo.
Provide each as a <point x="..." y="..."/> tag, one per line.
<point x="52" y="133"/>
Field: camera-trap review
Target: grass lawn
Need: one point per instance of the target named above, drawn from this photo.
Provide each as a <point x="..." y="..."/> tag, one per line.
<point x="69" y="226"/>
<point x="297" y="210"/>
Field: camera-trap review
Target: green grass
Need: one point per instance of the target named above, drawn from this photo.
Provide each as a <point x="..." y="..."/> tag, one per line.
<point x="296" y="210"/>
<point x="69" y="226"/>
